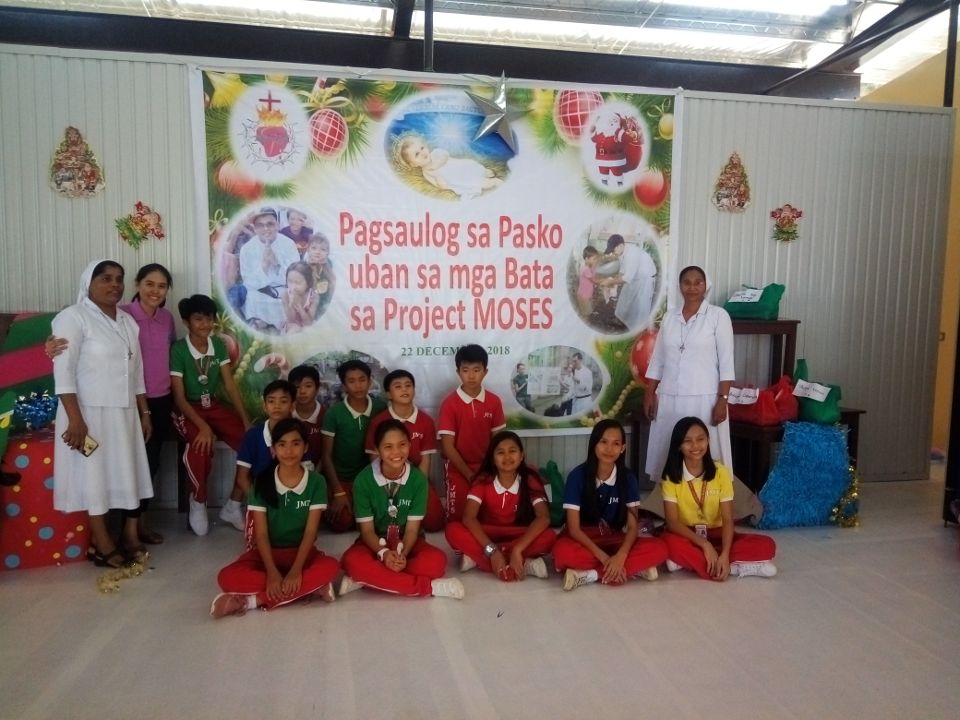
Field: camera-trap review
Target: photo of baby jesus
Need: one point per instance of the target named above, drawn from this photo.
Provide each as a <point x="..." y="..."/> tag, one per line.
<point x="465" y="177"/>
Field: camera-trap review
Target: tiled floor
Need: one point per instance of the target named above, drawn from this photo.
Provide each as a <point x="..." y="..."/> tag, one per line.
<point x="860" y="623"/>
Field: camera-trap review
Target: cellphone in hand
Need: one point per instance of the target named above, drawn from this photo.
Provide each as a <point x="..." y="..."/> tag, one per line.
<point x="89" y="445"/>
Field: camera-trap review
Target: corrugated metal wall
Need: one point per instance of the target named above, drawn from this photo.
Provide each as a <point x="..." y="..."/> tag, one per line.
<point x="864" y="277"/>
<point x="135" y="116"/>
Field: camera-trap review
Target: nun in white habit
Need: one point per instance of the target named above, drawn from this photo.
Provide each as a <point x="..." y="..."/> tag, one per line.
<point x="103" y="417"/>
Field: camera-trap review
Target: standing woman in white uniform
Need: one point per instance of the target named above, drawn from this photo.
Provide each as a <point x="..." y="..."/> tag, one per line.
<point x="99" y="380"/>
<point x="690" y="372"/>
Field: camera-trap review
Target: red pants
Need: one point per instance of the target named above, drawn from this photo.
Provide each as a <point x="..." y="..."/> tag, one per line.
<point x="248" y="576"/>
<point x="226" y="426"/>
<point x="749" y="547"/>
<point x="457" y="489"/>
<point x="462" y="540"/>
<point x="425" y="563"/>
<point x="433" y="521"/>
<point x="646" y="552"/>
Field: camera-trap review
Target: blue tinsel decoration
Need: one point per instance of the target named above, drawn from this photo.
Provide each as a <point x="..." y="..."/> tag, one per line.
<point x="34" y="411"/>
<point x="811" y="474"/>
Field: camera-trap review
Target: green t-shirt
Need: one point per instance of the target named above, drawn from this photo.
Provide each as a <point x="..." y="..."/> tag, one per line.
<point x="287" y="521"/>
<point x="184" y="365"/>
<point x="371" y="497"/>
<point x="349" y="432"/>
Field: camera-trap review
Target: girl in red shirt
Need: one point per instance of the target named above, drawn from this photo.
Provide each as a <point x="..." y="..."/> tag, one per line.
<point x="506" y="522"/>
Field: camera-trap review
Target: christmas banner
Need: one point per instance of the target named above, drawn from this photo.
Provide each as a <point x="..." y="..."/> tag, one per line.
<point x="396" y="221"/>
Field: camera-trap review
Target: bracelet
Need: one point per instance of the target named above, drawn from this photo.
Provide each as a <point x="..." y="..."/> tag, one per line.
<point x="146" y="412"/>
<point x="340" y="494"/>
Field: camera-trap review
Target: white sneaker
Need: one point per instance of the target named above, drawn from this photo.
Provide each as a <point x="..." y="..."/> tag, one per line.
<point x="228" y="604"/>
<point x="326" y="593"/>
<point x="232" y="514"/>
<point x="759" y="569"/>
<point x="650" y="574"/>
<point x="448" y="587"/>
<point x="672" y="566"/>
<point x="573" y="579"/>
<point x="466" y="563"/>
<point x="197" y="517"/>
<point x="348" y="585"/>
<point x="536" y="567"/>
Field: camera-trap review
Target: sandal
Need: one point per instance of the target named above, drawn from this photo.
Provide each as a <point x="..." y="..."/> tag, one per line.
<point x="114" y="559"/>
<point x="150" y="537"/>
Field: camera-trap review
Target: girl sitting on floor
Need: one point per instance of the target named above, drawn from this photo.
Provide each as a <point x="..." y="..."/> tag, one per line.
<point x="506" y="522"/>
<point x="601" y="498"/>
<point x="389" y="502"/>
<point x="698" y="508"/>
<point x="286" y="503"/>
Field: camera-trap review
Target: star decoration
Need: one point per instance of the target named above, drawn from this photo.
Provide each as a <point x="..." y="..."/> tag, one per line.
<point x="497" y="115"/>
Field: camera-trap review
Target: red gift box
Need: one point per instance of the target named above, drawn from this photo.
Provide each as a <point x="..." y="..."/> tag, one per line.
<point x="32" y="533"/>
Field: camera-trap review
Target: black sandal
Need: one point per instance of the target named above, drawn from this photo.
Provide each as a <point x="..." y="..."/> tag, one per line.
<point x="114" y="559"/>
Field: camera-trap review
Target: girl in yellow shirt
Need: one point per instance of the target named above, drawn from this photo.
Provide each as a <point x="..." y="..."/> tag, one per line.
<point x="698" y="507"/>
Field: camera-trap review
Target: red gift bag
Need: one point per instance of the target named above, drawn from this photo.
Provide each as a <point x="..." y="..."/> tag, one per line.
<point x="788" y="407"/>
<point x="752" y="406"/>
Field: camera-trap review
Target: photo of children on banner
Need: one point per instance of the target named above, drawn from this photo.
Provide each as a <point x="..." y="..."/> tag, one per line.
<point x="433" y="147"/>
<point x="560" y="381"/>
<point x="276" y="284"/>
<point x="613" y="279"/>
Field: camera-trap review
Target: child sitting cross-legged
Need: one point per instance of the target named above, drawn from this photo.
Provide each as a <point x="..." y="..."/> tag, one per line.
<point x="286" y="502"/>
<point x="506" y="523"/>
<point x="390" y="499"/>
<point x="698" y="509"/>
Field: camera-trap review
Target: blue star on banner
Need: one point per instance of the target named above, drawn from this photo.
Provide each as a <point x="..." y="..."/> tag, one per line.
<point x="497" y="115"/>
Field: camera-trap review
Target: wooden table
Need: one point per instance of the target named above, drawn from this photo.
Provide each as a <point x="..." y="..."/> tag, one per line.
<point x="783" y="342"/>
<point x="752" y="445"/>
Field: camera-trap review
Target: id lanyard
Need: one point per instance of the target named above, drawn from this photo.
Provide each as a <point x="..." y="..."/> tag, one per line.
<point x="393" y="528"/>
<point x="203" y="378"/>
<point x="701" y="500"/>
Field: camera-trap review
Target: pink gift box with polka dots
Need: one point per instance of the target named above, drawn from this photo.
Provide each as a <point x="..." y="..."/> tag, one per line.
<point x="32" y="533"/>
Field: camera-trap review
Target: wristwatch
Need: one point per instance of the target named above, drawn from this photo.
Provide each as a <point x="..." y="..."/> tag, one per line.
<point x="489" y="549"/>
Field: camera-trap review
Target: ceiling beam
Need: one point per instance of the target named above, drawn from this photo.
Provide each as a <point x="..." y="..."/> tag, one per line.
<point x="848" y="58"/>
<point x="122" y="33"/>
<point x="402" y="18"/>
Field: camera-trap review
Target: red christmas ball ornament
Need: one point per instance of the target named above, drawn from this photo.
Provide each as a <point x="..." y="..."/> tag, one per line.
<point x="328" y="133"/>
<point x="651" y="189"/>
<point x="641" y="354"/>
<point x="375" y="106"/>
<point x="571" y="109"/>
<point x="233" y="179"/>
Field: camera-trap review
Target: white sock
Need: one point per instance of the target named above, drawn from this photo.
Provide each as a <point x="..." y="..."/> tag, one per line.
<point x="252" y="602"/>
<point x="231" y="504"/>
<point x="593" y="576"/>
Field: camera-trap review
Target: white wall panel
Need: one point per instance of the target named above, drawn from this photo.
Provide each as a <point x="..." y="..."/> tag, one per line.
<point x="135" y="116"/>
<point x="863" y="278"/>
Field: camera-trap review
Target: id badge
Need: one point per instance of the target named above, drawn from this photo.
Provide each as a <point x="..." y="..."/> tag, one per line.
<point x="205" y="400"/>
<point x="393" y="536"/>
<point x="701" y="530"/>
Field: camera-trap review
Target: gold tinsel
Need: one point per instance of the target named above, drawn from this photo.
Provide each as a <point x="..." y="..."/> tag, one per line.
<point x="109" y="582"/>
<point x="846" y="513"/>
